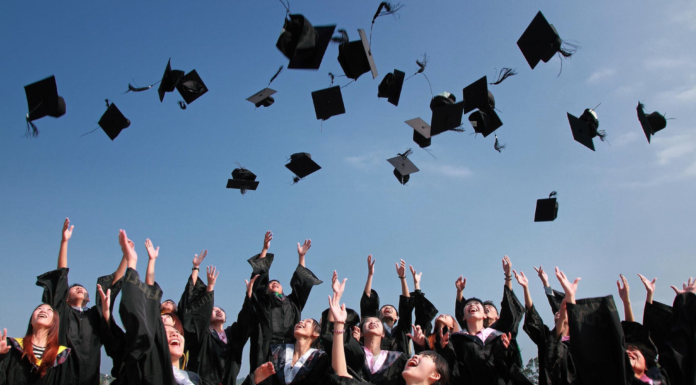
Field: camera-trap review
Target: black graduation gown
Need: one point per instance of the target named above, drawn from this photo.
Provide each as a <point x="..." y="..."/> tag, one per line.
<point x="81" y="331"/>
<point x="678" y="356"/>
<point x="113" y="336"/>
<point x="276" y="318"/>
<point x="208" y="355"/>
<point x="15" y="370"/>
<point x="334" y="379"/>
<point x="353" y="349"/>
<point x="395" y="340"/>
<point x="556" y="365"/>
<point x="312" y="372"/>
<point x="657" y="319"/>
<point x="388" y="374"/>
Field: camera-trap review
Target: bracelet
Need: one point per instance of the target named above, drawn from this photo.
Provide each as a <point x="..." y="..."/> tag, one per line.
<point x="339" y="331"/>
<point x="195" y="268"/>
<point x="404" y="277"/>
<point x="340" y="322"/>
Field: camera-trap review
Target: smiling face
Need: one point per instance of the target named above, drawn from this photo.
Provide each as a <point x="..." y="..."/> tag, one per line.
<point x="491" y="315"/>
<point x="275" y="287"/>
<point x="218" y="316"/>
<point x="637" y="361"/>
<point x="372" y="326"/>
<point x="388" y="312"/>
<point x="474" y="311"/>
<point x="307" y="328"/>
<point x="445" y="320"/>
<point x="77" y="295"/>
<point x="420" y="369"/>
<point x="176" y="342"/>
<point x="42" y="317"/>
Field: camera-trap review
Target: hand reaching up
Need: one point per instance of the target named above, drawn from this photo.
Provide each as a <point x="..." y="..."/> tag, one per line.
<point x="212" y="273"/>
<point x="198" y="259"/>
<point x="401" y="269"/>
<point x="67" y="230"/>
<point x="337" y="310"/>
<point x="649" y="287"/>
<point x="337" y="286"/>
<point x="105" y="302"/>
<point x="151" y="251"/>
<point x="250" y="285"/>
<point x="267" y="240"/>
<point x="570" y="288"/>
<point x="689" y="287"/>
<point x="521" y="278"/>
<point x="460" y="283"/>
<point x="622" y="285"/>
<point x="507" y="266"/>
<point x="543" y="276"/>
<point x="371" y="265"/>
<point x="444" y="338"/>
<point x="418" y="337"/>
<point x="416" y="277"/>
<point x="302" y="250"/>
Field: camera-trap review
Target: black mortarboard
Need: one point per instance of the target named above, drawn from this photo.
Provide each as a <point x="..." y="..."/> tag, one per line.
<point x="403" y="167"/>
<point x="585" y="128"/>
<point x="540" y="41"/>
<point x="651" y="123"/>
<point x="243" y="180"/>
<point x="421" y="132"/>
<point x="263" y="98"/>
<point x="477" y="96"/>
<point x="191" y="87"/>
<point x="43" y="100"/>
<point x="447" y="115"/>
<point x="303" y="44"/>
<point x="546" y="209"/>
<point x="328" y="102"/>
<point x="355" y="57"/>
<point x="113" y="122"/>
<point x="301" y="164"/>
<point x="170" y="80"/>
<point x="390" y="87"/>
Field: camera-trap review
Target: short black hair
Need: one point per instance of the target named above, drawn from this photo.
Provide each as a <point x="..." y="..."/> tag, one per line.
<point x="441" y="366"/>
<point x="395" y="309"/>
<point x="472" y="299"/>
<point x="490" y="303"/>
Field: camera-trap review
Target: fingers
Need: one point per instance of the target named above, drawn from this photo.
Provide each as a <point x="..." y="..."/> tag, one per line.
<point x="675" y="289"/>
<point x="522" y="275"/>
<point x="413" y="271"/>
<point x="254" y="278"/>
<point x="515" y="274"/>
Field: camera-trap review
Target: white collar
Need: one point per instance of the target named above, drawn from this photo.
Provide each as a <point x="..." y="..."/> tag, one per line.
<point x="291" y="370"/>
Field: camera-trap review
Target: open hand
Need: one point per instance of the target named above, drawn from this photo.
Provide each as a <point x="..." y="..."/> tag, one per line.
<point x="371" y="265"/>
<point x="67" y="229"/>
<point x="250" y="285"/>
<point x="543" y="276"/>
<point x="623" y="291"/>
<point x="105" y="302"/>
<point x="460" y="283"/>
<point x="198" y="259"/>
<point x="649" y="285"/>
<point x="338" y="311"/>
<point x="4" y="348"/>
<point x="570" y="288"/>
<point x="401" y="269"/>
<point x="507" y="266"/>
<point x="416" y="277"/>
<point x="337" y="286"/>
<point x="267" y="240"/>
<point x="521" y="278"/>
<point x="417" y="337"/>
<point x="212" y="274"/>
<point x="263" y="372"/>
<point x="151" y="251"/>
<point x="302" y="250"/>
<point x="689" y="287"/>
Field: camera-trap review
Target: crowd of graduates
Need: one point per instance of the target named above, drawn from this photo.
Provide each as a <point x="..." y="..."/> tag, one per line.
<point x="164" y="342"/>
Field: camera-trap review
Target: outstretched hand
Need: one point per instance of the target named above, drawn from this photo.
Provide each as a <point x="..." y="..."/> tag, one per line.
<point x="521" y="278"/>
<point x="4" y="347"/>
<point x="622" y="285"/>
<point x="418" y="337"/>
<point x="689" y="287"/>
<point x="302" y="250"/>
<point x="416" y="277"/>
<point x="151" y="251"/>
<point x="105" y="302"/>
<point x="401" y="269"/>
<point x="460" y="283"/>
<point x="67" y="229"/>
<point x="371" y="265"/>
<point x="507" y="266"/>
<point x="267" y="240"/>
<point x="543" y="276"/>
<point x="128" y="249"/>
<point x="212" y="274"/>
<point x="649" y="285"/>
<point x="506" y="338"/>
<point x="198" y="259"/>
<point x="570" y="288"/>
<point x="263" y="372"/>
<point x="250" y="285"/>
<point x="337" y="310"/>
<point x="337" y="286"/>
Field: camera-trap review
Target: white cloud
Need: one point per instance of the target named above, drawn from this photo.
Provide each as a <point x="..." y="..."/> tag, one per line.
<point x="451" y="171"/>
<point x="687" y="96"/>
<point x="674" y="148"/>
<point x="686" y="16"/>
<point x="625" y="139"/>
<point x="364" y="161"/>
<point x="601" y="74"/>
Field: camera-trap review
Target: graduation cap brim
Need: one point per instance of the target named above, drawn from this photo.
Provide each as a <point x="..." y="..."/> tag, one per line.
<point x="191" y="87"/>
<point x="261" y="95"/>
<point x="328" y="102"/>
<point x="368" y="52"/>
<point x="420" y="126"/>
<point x="647" y="129"/>
<point x="476" y="95"/>
<point x="313" y="61"/>
<point x="485" y="121"/>
<point x="303" y="166"/>
<point x="446" y="118"/>
<point x="403" y="165"/>
<point x="581" y="131"/>
<point x="43" y="99"/>
<point x="537" y="40"/>
<point x="113" y="122"/>
<point x="242" y="184"/>
<point x="355" y="58"/>
<point x="546" y="210"/>
<point x="395" y="87"/>
<point x="169" y="81"/>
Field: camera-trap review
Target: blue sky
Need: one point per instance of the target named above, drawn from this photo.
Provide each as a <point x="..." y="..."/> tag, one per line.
<point x="626" y="208"/>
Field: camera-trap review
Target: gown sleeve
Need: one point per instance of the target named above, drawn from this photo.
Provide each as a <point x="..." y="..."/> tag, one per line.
<point x="55" y="293"/>
<point x="239" y="333"/>
<point x="555" y="298"/>
<point x="192" y="292"/>
<point x="425" y="312"/>
<point x="657" y="318"/>
<point x="680" y="355"/>
<point x="511" y="313"/>
<point x="459" y="313"/>
<point x="113" y="337"/>
<point x="197" y="325"/>
<point x="535" y="328"/>
<point x="403" y="326"/>
<point x="369" y="306"/>
<point x="262" y="268"/>
<point x="302" y="282"/>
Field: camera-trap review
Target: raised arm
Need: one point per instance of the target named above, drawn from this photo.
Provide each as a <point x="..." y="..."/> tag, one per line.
<point x="622" y="285"/>
<point x="212" y="274"/>
<point x="197" y="260"/>
<point x="570" y="288"/>
<point x="266" y="244"/>
<point x="128" y="250"/>
<point x="401" y="272"/>
<point x="152" y="253"/>
<point x="338" y="356"/>
<point x="524" y="282"/>
<point x="302" y="251"/>
<point x="460" y="284"/>
<point x="106" y="302"/>
<point x="649" y="288"/>
<point x="63" y="253"/>
<point x="554" y="297"/>
<point x="370" y="273"/>
<point x="507" y="268"/>
<point x="416" y="278"/>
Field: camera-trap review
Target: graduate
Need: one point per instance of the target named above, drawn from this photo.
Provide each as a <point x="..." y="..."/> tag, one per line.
<point x="80" y="327"/>
<point x="277" y="314"/>
<point x="38" y="357"/>
<point x="556" y="364"/>
<point x="426" y="368"/>
<point x="554" y="297"/>
<point x="425" y="314"/>
<point x="394" y="333"/>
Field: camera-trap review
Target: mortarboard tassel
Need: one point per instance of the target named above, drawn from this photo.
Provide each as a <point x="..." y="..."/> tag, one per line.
<point x="385" y="8"/>
<point x="276" y="75"/>
<point x="341" y="39"/>
<point x="553" y="194"/>
<point x="182" y="104"/>
<point x="132" y="88"/>
<point x="504" y="74"/>
<point x="422" y="63"/>
<point x="287" y="7"/>
<point x="497" y="145"/>
<point x="32" y="130"/>
<point x="566" y="50"/>
<point x="107" y="107"/>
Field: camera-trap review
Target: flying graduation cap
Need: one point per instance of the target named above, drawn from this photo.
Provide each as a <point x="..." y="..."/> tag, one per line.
<point x="243" y="180"/>
<point x="301" y="164"/>
<point x="264" y="97"/>
<point x="540" y="41"/>
<point x="43" y="100"/>
<point x="585" y="128"/>
<point x="652" y="122"/>
<point x="477" y="96"/>
<point x="328" y="102"/>
<point x="113" y="121"/>
<point x="169" y="80"/>
<point x="355" y="57"/>
<point x="447" y="114"/>
<point x="303" y="44"/>
<point x="421" y="132"/>
<point x="190" y="85"/>
<point x="391" y="86"/>
<point x="403" y="167"/>
<point x="546" y="209"/>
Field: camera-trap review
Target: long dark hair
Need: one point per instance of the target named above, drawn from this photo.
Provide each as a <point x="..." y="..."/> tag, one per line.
<point x="52" y="344"/>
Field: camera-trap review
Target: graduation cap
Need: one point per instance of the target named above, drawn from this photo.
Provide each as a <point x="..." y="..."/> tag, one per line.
<point x="585" y="128"/>
<point x="328" y="102"/>
<point x="540" y="41"/>
<point x="651" y="123"/>
<point x="390" y="87"/>
<point x="191" y="87"/>
<point x="477" y="96"/>
<point x="243" y="180"/>
<point x="403" y="167"/>
<point x="113" y="121"/>
<point x="546" y="209"/>
<point x="355" y="57"/>
<point x="303" y="44"/>
<point x="421" y="132"/>
<point x="497" y="146"/>
<point x="301" y="164"/>
<point x="263" y="98"/>
<point x="43" y="100"/>
<point x="447" y="114"/>
<point x="170" y="80"/>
